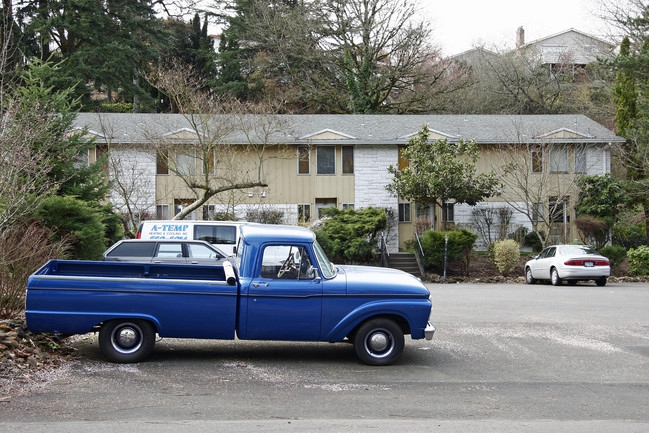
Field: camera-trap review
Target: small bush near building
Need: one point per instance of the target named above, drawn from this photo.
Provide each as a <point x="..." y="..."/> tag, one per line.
<point x="460" y="245"/>
<point x="265" y="216"/>
<point x="639" y="261"/>
<point x="533" y="240"/>
<point x="630" y="230"/>
<point x="506" y="255"/>
<point x="350" y="236"/>
<point x="614" y="253"/>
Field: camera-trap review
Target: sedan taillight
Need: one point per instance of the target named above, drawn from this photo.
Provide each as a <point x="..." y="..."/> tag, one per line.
<point x="582" y="262"/>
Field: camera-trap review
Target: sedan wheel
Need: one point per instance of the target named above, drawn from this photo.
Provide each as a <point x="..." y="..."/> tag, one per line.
<point x="556" y="281"/>
<point x="529" y="279"/>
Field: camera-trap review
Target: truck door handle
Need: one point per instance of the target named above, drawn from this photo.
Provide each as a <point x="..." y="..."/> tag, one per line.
<point x="260" y="284"/>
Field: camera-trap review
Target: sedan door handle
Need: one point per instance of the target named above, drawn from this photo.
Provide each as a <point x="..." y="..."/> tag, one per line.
<point x="260" y="284"/>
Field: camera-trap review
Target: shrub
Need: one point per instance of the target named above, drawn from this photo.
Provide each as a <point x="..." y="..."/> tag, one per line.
<point x="22" y="251"/>
<point x="79" y="223"/>
<point x="350" y="236"/>
<point x="614" y="253"/>
<point x="460" y="244"/>
<point x="630" y="230"/>
<point x="506" y="255"/>
<point x="533" y="240"/>
<point x="519" y="235"/>
<point x="593" y="231"/>
<point x="265" y="216"/>
<point x="639" y="261"/>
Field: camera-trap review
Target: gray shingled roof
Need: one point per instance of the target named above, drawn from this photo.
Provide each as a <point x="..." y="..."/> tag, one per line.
<point x="362" y="129"/>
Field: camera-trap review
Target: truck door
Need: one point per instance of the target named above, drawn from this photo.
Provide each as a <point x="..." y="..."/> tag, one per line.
<point x="285" y="297"/>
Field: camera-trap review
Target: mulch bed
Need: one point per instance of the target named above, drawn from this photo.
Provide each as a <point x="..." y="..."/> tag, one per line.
<point x="26" y="356"/>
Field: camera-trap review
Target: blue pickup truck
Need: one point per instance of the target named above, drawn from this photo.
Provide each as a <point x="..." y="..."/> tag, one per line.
<point x="282" y="287"/>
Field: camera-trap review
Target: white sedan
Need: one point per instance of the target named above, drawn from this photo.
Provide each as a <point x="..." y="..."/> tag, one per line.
<point x="571" y="263"/>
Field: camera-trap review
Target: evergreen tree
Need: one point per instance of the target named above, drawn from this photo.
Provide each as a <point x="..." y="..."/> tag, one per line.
<point x="625" y="90"/>
<point x="85" y="181"/>
<point x="105" y="44"/>
<point x="235" y="59"/>
<point x="633" y="107"/>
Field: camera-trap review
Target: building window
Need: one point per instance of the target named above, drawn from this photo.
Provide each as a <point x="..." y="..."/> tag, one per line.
<point x="209" y="212"/>
<point x="580" y="159"/>
<point x="559" y="159"/>
<point x="537" y="160"/>
<point x="538" y="211"/>
<point x="557" y="210"/>
<point x="450" y="213"/>
<point x="404" y="213"/>
<point x="162" y="162"/>
<point x="162" y="211"/>
<point x="348" y="206"/>
<point x="304" y="213"/>
<point x="326" y="160"/>
<point x="348" y="159"/>
<point x="180" y="204"/>
<point x="403" y="161"/>
<point x="185" y="163"/>
<point x="303" y="160"/>
<point x="208" y="163"/>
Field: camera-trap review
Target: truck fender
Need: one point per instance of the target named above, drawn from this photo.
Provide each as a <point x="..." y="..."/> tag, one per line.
<point x="147" y="317"/>
<point x="365" y="312"/>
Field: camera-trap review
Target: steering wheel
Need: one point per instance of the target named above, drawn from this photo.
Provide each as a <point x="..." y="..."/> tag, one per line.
<point x="288" y="265"/>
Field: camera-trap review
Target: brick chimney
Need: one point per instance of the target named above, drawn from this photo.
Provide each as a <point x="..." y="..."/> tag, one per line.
<point x="520" y="37"/>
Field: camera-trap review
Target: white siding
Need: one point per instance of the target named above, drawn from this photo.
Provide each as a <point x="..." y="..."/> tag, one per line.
<point x="371" y="175"/>
<point x="133" y="173"/>
<point x="598" y="160"/>
<point x="463" y="213"/>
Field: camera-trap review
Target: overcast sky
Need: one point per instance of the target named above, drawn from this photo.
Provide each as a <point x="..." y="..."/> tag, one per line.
<point x="459" y="25"/>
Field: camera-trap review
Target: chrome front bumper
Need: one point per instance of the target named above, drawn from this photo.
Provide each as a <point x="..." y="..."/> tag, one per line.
<point x="429" y="331"/>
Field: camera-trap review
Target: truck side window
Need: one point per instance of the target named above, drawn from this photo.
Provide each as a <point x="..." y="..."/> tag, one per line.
<point x="286" y="262"/>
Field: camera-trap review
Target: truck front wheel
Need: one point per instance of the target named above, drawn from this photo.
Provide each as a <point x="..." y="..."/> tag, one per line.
<point x="379" y="342"/>
<point x="127" y="340"/>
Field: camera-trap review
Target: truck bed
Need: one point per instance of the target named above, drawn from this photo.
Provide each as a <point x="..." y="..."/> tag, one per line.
<point x="72" y="297"/>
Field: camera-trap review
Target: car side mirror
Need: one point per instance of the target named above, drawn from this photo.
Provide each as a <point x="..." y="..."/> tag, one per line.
<point x="535" y="256"/>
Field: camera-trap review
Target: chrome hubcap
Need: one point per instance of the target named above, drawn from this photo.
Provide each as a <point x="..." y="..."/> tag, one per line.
<point x="127" y="339"/>
<point x="379" y="342"/>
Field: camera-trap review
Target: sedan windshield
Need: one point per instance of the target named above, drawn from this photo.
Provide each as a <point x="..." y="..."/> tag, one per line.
<point x="574" y="250"/>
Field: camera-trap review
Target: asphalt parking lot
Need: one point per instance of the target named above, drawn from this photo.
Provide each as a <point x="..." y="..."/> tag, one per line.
<point x="504" y="358"/>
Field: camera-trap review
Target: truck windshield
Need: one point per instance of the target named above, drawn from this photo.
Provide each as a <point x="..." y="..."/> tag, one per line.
<point x="327" y="268"/>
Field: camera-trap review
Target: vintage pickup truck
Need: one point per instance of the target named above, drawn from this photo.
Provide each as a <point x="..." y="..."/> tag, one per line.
<point x="283" y="288"/>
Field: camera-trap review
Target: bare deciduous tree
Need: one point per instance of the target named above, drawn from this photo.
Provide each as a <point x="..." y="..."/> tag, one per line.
<point x="359" y="56"/>
<point x="227" y="140"/>
<point x="539" y="184"/>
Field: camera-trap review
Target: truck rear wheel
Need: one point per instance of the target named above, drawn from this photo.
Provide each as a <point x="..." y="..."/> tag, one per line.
<point x="379" y="342"/>
<point x="127" y="340"/>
